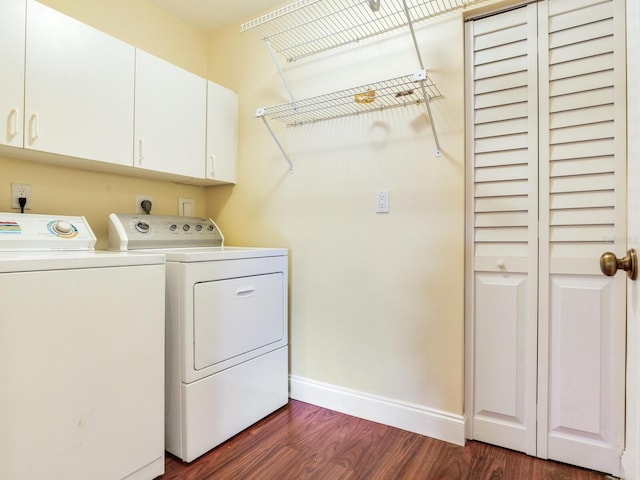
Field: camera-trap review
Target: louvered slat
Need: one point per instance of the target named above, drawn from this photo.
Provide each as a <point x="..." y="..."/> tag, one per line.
<point x="582" y="166"/>
<point x="583" y="102"/>
<point x="501" y="137"/>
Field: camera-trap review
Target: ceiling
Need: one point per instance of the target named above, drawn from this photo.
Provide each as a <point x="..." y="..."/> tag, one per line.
<point x="211" y="15"/>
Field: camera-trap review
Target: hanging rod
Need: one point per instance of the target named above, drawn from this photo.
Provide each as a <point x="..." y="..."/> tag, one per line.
<point x="307" y="27"/>
<point x="396" y="92"/>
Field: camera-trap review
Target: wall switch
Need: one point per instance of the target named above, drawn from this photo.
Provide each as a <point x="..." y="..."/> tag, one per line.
<point x="186" y="207"/>
<point x="382" y="201"/>
<point x="20" y="190"/>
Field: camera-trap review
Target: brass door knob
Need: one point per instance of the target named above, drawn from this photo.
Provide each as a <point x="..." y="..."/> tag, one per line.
<point x="609" y="264"/>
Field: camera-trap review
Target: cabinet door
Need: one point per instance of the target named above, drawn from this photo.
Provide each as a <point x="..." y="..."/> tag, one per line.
<point x="170" y="119"/>
<point x="222" y="133"/>
<point x="78" y="90"/>
<point x="12" y="32"/>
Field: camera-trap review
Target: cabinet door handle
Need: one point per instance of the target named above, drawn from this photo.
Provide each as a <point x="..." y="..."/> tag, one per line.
<point x="140" y="151"/>
<point x="34" y="127"/>
<point x="212" y="165"/>
<point x="13" y="123"/>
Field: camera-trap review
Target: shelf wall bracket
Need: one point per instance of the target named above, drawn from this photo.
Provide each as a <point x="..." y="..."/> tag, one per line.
<point x="280" y="72"/>
<point x="261" y="113"/>
<point x="424" y="92"/>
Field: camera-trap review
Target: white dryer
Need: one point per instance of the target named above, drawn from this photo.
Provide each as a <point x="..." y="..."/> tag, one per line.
<point x="81" y="355"/>
<point x="227" y="335"/>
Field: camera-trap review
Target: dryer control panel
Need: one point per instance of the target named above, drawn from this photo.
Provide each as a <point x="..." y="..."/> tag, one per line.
<point x="36" y="232"/>
<point x="134" y="232"/>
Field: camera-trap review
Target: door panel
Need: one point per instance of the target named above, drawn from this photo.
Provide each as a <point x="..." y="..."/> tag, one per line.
<point x="580" y="357"/>
<point x="583" y="359"/>
<point x="501" y="315"/>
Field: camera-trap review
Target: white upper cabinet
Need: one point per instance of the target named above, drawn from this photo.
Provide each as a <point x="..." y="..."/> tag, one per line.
<point x="79" y="89"/>
<point x="12" y="33"/>
<point x="71" y="93"/>
<point x="222" y="133"/>
<point x="170" y="118"/>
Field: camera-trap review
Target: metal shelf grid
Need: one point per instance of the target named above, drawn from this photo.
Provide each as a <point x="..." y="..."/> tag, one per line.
<point x="307" y="27"/>
<point x="396" y="92"/>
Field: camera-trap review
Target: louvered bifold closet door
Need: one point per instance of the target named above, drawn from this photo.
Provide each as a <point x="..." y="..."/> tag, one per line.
<point x="582" y="204"/>
<point x="502" y="201"/>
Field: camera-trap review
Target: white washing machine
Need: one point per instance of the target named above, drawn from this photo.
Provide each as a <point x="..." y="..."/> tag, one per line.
<point x="227" y="335"/>
<point x="81" y="355"/>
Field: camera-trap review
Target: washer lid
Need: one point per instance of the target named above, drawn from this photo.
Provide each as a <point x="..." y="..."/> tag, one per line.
<point x="33" y="232"/>
<point x="37" y="261"/>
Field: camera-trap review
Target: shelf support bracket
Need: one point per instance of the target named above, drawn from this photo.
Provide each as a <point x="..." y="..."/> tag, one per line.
<point x="280" y="72"/>
<point x="424" y="91"/>
<point x="261" y="113"/>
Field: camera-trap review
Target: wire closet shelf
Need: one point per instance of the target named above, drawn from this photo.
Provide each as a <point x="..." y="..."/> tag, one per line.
<point x="392" y="93"/>
<point x="308" y="27"/>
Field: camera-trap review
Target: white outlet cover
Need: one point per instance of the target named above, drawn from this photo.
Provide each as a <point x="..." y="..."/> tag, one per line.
<point x="382" y="201"/>
<point x="15" y="193"/>
<point x="186" y="207"/>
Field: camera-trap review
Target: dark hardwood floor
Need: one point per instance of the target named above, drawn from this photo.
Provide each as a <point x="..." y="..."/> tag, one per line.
<point x="302" y="441"/>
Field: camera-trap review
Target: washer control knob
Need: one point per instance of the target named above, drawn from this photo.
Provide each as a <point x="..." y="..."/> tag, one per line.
<point x="198" y="228"/>
<point x="63" y="228"/>
<point x="142" y="227"/>
<point x="210" y="228"/>
<point x="173" y="227"/>
<point x="186" y="227"/>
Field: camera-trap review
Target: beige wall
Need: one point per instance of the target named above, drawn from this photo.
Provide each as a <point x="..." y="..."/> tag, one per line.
<point x="376" y="299"/>
<point x="68" y="191"/>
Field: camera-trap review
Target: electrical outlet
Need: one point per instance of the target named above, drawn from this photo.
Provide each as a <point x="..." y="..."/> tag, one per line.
<point x="139" y="200"/>
<point x="382" y="201"/>
<point x="19" y="190"/>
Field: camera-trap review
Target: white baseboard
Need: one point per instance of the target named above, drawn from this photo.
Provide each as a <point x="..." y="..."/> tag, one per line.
<point x="431" y="423"/>
<point x="630" y="467"/>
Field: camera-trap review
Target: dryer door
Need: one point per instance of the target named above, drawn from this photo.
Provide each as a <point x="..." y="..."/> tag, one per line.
<point x="237" y="318"/>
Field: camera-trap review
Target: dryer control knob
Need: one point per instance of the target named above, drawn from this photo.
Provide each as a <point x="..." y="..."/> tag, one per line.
<point x="63" y="228"/>
<point x="142" y="227"/>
